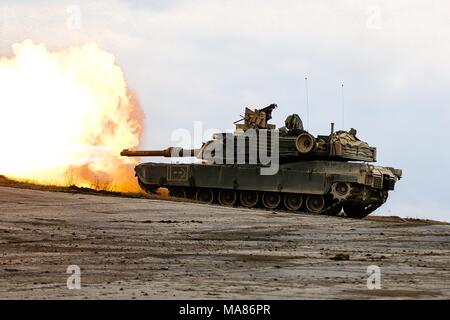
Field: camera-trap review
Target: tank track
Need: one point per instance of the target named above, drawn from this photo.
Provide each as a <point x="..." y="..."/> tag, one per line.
<point x="354" y="204"/>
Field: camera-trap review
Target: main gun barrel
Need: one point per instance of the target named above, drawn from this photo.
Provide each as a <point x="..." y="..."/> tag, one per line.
<point x="171" y="152"/>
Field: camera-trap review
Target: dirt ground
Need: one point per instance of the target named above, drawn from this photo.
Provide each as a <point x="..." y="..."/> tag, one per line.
<point x="146" y="248"/>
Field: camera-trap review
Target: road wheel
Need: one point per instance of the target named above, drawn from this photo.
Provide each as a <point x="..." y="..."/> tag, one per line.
<point x="227" y="198"/>
<point x="177" y="192"/>
<point x="204" y="195"/>
<point x="249" y="199"/>
<point x="293" y="201"/>
<point x="315" y="203"/>
<point x="271" y="200"/>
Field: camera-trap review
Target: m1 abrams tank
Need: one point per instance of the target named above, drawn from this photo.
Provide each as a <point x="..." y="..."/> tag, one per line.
<point x="261" y="166"/>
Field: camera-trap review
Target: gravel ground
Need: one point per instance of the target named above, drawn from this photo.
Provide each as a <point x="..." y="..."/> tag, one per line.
<point x="146" y="249"/>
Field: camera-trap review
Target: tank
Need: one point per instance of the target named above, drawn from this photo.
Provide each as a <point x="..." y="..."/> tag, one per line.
<point x="288" y="168"/>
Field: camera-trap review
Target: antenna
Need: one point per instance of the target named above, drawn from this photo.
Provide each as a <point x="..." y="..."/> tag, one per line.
<point x="343" y="106"/>
<point x="307" y="104"/>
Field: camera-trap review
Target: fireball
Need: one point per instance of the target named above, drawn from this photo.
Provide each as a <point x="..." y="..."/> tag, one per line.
<point x="65" y="116"/>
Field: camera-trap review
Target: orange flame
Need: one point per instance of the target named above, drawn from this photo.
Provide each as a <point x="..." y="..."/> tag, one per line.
<point x="65" y="116"/>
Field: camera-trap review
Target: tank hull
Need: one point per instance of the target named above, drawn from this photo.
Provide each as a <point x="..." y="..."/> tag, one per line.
<point x="317" y="186"/>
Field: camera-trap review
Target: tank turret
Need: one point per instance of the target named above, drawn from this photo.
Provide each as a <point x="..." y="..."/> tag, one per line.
<point x="293" y="143"/>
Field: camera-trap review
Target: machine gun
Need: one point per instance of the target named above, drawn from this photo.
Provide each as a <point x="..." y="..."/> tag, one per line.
<point x="256" y="119"/>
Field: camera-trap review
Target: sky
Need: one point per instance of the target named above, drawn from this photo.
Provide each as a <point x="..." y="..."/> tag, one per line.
<point x="206" y="60"/>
